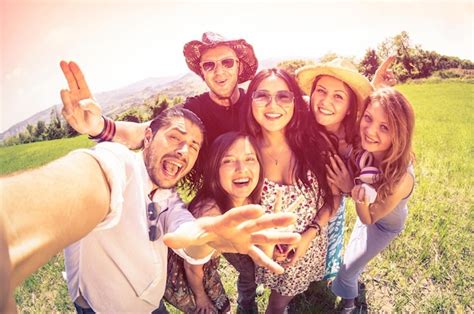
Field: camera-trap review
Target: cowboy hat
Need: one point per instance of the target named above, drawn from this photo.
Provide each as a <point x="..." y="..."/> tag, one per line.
<point x="341" y="69"/>
<point x="193" y="51"/>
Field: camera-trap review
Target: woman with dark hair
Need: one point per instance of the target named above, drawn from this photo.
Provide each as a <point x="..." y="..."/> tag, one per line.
<point x="337" y="94"/>
<point x="276" y="115"/>
<point x="233" y="177"/>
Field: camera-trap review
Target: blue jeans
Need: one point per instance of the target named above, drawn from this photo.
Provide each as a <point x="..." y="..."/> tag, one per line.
<point x="246" y="285"/>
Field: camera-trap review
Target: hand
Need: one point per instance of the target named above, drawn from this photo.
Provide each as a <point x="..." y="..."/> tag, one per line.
<point x="299" y="248"/>
<point x="238" y="230"/>
<point x="359" y="196"/>
<point x="338" y="175"/>
<point x="384" y="75"/>
<point x="204" y="305"/>
<point x="79" y="108"/>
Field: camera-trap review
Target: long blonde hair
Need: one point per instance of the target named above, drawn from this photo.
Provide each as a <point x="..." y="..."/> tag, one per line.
<point x="401" y="120"/>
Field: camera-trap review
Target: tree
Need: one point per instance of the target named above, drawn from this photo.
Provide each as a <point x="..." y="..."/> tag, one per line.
<point x="159" y="107"/>
<point x="369" y="63"/>
<point x="131" y="115"/>
<point x="40" y="130"/>
<point x="54" y="129"/>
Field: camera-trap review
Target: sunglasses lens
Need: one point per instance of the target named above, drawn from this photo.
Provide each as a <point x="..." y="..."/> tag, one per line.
<point x="153" y="233"/>
<point x="228" y="63"/>
<point x="284" y="97"/>
<point x="261" y="97"/>
<point x="151" y="211"/>
<point x="208" y="65"/>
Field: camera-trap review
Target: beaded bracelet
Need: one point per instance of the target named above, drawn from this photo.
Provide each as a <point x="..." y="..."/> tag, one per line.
<point x="107" y="133"/>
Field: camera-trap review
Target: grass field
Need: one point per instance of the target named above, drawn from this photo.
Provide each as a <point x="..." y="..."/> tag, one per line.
<point x="429" y="268"/>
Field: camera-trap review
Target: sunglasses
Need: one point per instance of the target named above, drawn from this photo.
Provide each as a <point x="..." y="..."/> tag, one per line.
<point x="227" y="63"/>
<point x="261" y="98"/>
<point x="154" y="232"/>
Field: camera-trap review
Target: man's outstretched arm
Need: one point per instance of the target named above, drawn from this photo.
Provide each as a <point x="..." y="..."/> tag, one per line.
<point x="46" y="209"/>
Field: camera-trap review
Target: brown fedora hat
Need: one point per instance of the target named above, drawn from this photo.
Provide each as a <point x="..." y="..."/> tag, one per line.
<point x="193" y="51"/>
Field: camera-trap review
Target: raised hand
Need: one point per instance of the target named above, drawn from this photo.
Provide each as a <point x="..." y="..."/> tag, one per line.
<point x="79" y="108"/>
<point x="238" y="231"/>
<point x="384" y="75"/>
<point x="338" y="175"/>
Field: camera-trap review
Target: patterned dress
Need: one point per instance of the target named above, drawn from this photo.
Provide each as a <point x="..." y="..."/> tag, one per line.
<point x="311" y="266"/>
<point x="179" y="293"/>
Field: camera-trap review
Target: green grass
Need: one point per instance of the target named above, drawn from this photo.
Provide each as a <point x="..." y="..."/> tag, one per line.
<point x="32" y="155"/>
<point x="428" y="268"/>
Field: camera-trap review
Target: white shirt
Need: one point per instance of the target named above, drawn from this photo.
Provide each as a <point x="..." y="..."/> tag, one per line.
<point x="116" y="268"/>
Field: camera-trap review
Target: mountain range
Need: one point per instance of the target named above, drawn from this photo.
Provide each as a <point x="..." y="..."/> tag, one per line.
<point x="116" y="101"/>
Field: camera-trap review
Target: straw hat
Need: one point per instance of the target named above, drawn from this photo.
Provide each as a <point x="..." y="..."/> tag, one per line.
<point x="341" y="69"/>
<point x="244" y="51"/>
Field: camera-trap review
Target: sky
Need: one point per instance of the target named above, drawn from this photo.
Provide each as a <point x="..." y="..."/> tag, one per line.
<point x="117" y="43"/>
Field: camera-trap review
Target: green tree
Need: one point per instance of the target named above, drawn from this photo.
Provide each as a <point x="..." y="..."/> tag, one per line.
<point x="131" y="115"/>
<point x="54" y="130"/>
<point x="159" y="107"/>
<point x="369" y="63"/>
<point x="40" y="130"/>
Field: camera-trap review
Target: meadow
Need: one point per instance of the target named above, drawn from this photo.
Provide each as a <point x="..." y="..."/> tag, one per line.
<point x="428" y="268"/>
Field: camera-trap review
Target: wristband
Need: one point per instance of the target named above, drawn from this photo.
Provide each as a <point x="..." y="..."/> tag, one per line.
<point x="107" y="133"/>
<point x="314" y="225"/>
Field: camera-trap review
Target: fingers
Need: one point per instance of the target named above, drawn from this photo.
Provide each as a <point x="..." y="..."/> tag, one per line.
<point x="68" y="106"/>
<point x="330" y="172"/>
<point x="269" y="221"/>
<point x="387" y="63"/>
<point x="238" y="215"/>
<point x="277" y="205"/>
<point x="79" y="77"/>
<point x="91" y="106"/>
<point x="358" y="194"/>
<point x="334" y="164"/>
<point x="330" y="179"/>
<point x="75" y="80"/>
<point x="71" y="80"/>
<point x="275" y="237"/>
<point x="263" y="260"/>
<point x="340" y="163"/>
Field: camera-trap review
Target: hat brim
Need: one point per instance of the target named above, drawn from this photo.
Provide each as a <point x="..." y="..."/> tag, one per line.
<point x="244" y="51"/>
<point x="359" y="84"/>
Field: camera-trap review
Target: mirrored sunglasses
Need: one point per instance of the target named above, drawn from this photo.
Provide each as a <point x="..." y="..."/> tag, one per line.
<point x="227" y="63"/>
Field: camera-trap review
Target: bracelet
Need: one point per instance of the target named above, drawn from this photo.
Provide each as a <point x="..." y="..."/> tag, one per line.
<point x="107" y="133"/>
<point x="314" y="225"/>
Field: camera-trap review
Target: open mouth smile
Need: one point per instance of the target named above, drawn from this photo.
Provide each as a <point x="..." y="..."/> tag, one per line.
<point x="172" y="167"/>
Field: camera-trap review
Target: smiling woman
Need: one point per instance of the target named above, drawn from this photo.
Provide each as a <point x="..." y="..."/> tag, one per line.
<point x="233" y="178"/>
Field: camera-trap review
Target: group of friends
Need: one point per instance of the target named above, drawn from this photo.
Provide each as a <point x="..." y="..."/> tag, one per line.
<point x="298" y="145"/>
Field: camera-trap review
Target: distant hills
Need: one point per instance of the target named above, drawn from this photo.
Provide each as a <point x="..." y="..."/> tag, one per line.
<point x="119" y="100"/>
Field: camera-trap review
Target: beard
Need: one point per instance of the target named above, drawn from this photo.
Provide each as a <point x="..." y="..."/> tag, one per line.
<point x="152" y="166"/>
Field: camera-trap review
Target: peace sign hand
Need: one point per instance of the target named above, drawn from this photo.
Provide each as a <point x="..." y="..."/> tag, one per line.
<point x="79" y="108"/>
<point x="384" y="75"/>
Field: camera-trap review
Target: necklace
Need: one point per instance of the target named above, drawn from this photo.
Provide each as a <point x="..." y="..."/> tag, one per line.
<point x="279" y="154"/>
